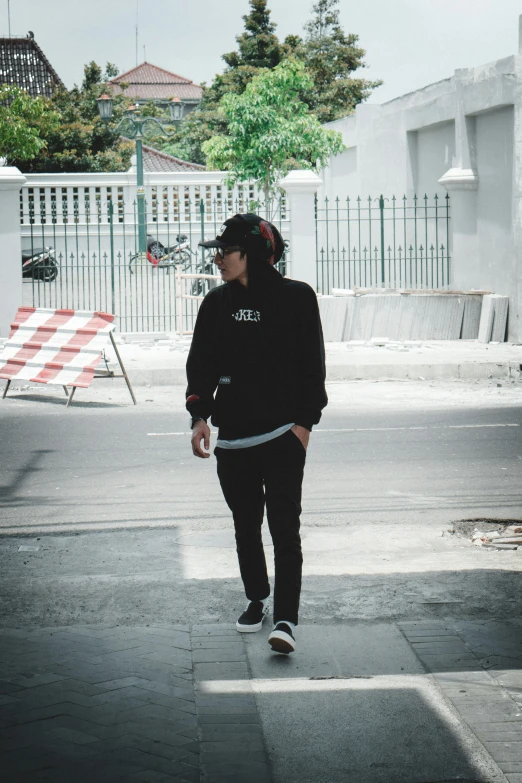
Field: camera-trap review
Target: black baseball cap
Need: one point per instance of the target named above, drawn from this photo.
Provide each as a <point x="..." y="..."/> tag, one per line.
<point x="250" y="232"/>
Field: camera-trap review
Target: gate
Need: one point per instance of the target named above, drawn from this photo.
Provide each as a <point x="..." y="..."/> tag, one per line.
<point x="383" y="243"/>
<point x="95" y="239"/>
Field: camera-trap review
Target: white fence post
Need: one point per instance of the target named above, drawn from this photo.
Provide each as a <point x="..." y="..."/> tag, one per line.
<point x="11" y="180"/>
<point x="300" y="187"/>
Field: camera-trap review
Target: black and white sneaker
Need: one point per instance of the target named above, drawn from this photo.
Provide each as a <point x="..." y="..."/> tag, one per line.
<point x="281" y="639"/>
<point x="252" y="618"/>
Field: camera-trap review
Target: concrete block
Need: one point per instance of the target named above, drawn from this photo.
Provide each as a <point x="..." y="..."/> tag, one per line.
<point x="471" y="317"/>
<point x="421" y="317"/>
<point x="343" y="292"/>
<point x="351" y="305"/>
<point x="367" y="307"/>
<point x="486" y="318"/>
<point x="324" y="311"/>
<point x="436" y="317"/>
<point x="498" y="331"/>
<point x="333" y="317"/>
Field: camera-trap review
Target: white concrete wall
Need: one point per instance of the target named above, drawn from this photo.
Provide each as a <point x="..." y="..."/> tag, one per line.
<point x="494" y="137"/>
<point x="462" y="135"/>
<point x="435" y="152"/>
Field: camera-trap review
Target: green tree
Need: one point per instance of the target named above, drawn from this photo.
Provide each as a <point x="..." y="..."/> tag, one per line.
<point x="258" y="47"/>
<point x="81" y="141"/>
<point x="270" y="130"/>
<point x="330" y="57"/>
<point x="24" y="122"/>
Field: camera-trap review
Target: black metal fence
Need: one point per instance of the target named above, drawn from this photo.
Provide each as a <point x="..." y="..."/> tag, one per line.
<point x="383" y="243"/>
<point x="99" y="266"/>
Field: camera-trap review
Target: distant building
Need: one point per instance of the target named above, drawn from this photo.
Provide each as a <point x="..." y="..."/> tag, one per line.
<point x="147" y="82"/>
<point x="23" y="64"/>
<point x="155" y="160"/>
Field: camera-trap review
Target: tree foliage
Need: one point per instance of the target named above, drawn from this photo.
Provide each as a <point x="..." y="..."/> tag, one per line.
<point x="258" y="48"/>
<point x="24" y="123"/>
<point x="270" y="130"/>
<point x="81" y="141"/>
<point x="330" y="57"/>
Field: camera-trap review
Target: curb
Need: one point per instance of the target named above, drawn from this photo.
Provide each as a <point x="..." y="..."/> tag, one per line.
<point x="466" y="371"/>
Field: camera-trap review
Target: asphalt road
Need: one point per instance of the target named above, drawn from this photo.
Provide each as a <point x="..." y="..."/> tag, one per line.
<point x="91" y="468"/>
<point x="111" y="493"/>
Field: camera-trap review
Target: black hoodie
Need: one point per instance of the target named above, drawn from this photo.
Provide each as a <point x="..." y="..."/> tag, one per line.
<point x="262" y="348"/>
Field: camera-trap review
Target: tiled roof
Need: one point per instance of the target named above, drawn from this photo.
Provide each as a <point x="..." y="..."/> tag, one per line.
<point x="147" y="81"/>
<point x="23" y="64"/>
<point x="155" y="160"/>
<point x="160" y="91"/>
<point x="146" y="73"/>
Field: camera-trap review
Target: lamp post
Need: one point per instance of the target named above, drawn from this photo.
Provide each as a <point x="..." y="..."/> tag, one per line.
<point x="136" y="125"/>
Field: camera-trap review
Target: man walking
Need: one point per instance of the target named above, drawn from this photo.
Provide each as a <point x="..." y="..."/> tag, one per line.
<point x="256" y="367"/>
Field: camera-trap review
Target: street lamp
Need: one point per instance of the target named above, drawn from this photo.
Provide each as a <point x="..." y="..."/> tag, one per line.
<point x="136" y="124"/>
<point x="105" y="104"/>
<point x="175" y="109"/>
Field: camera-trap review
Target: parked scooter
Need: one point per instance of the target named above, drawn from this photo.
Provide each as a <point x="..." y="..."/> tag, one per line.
<point x="165" y="257"/>
<point x="40" y="264"/>
<point x="202" y="285"/>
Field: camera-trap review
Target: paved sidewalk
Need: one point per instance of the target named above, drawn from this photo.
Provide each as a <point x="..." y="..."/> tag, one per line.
<point x="479" y="668"/>
<point x="89" y="703"/>
<point x="356" y="704"/>
<point x="169" y="703"/>
<point x="161" y="361"/>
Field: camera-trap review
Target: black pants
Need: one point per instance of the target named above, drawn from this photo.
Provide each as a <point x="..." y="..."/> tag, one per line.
<point x="273" y="473"/>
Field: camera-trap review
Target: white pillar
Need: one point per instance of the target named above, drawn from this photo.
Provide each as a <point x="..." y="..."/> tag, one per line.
<point x="301" y="187"/>
<point x="11" y="180"/>
<point x="462" y="182"/>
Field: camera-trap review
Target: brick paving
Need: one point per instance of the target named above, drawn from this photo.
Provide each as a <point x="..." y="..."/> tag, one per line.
<point x="127" y="704"/>
<point x="173" y="703"/>
<point x="478" y="666"/>
<point x="232" y="745"/>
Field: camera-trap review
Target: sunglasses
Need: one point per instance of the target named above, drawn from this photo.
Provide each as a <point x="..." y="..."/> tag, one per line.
<point x="224" y="251"/>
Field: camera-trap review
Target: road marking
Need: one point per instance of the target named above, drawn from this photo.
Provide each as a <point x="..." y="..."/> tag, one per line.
<point x="158" y="434"/>
<point x="465" y="426"/>
<point x="367" y="429"/>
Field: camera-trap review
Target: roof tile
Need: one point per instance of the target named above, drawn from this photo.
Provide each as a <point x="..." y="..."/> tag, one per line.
<point x="160" y="91"/>
<point x="155" y="160"/>
<point x="23" y="64"/>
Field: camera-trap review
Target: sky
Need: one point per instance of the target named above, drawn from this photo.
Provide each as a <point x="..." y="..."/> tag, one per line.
<point x="408" y="43"/>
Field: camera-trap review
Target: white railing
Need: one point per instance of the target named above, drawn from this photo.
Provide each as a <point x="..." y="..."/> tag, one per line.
<point x="181" y="277"/>
<point x="171" y="197"/>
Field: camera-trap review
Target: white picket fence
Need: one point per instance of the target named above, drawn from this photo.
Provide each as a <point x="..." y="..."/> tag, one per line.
<point x="75" y="205"/>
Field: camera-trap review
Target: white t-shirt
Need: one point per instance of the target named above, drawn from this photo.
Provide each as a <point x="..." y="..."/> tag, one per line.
<point x="254" y="440"/>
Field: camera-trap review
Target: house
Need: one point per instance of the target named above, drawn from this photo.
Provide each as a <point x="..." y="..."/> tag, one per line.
<point x="147" y="82"/>
<point x="155" y="160"/>
<point x="23" y="64"/>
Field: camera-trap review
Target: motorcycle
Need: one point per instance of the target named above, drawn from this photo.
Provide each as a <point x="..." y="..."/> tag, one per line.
<point x="40" y="264"/>
<point x="165" y="257"/>
<point x="202" y="285"/>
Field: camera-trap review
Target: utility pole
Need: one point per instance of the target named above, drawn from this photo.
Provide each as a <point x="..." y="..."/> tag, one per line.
<point x="137" y="10"/>
<point x="137" y="124"/>
<point x="9" y="16"/>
